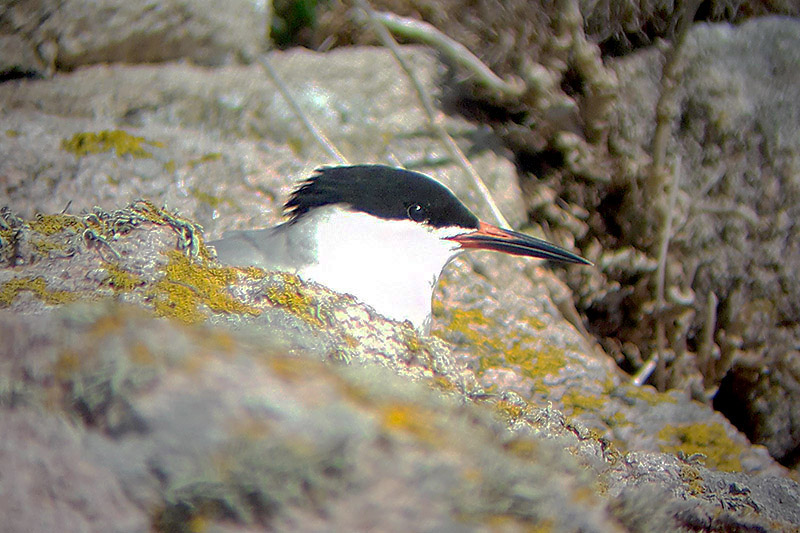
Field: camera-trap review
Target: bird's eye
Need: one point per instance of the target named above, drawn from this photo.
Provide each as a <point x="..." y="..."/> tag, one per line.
<point x="416" y="213"/>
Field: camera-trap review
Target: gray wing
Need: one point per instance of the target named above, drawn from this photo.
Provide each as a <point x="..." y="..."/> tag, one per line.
<point x="263" y="248"/>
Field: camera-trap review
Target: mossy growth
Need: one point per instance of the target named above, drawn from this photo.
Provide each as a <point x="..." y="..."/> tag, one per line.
<point x="709" y="439"/>
<point x="38" y="286"/>
<point x="190" y="284"/>
<point x="118" y="141"/>
<point x="292" y="296"/>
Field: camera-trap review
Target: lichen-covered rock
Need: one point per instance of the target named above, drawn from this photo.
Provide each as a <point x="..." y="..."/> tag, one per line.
<point x="132" y="421"/>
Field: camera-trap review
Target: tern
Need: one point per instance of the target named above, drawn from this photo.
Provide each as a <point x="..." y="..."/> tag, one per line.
<point x="379" y="233"/>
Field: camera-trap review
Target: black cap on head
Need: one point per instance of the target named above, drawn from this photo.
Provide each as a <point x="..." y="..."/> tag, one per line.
<point x="386" y="192"/>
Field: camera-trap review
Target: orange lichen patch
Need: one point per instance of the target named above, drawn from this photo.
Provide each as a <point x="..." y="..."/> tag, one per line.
<point x="38" y="286"/>
<point x="411" y="419"/>
<point x="293" y="369"/>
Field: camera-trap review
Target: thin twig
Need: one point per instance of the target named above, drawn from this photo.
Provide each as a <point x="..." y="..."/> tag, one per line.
<point x="665" y="113"/>
<point x="661" y="275"/>
<point x="315" y="132"/>
<point x="427" y="104"/>
<point x="705" y="353"/>
<point x="421" y="31"/>
<point x="665" y="106"/>
<point x="643" y="374"/>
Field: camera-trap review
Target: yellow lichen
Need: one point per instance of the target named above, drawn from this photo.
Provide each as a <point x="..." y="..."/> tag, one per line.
<point x="46" y="247"/>
<point x="210" y="199"/>
<point x="176" y="301"/>
<point x="510" y="411"/>
<point x="472" y="323"/>
<point x="708" y="439"/>
<point x="293" y="369"/>
<point x="522" y="447"/>
<point x="121" y="280"/>
<point x="213" y="156"/>
<point x="579" y="403"/>
<point x="121" y="142"/>
<point x="693" y="479"/>
<point x="11" y="288"/>
<point x="535" y="322"/>
<point x="189" y="284"/>
<point x="647" y="393"/>
<point x="52" y="224"/>
<point x="141" y="355"/>
<point x="292" y="297"/>
<point x="253" y="272"/>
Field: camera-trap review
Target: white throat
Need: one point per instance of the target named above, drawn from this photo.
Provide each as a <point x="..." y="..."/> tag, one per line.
<point x="391" y="265"/>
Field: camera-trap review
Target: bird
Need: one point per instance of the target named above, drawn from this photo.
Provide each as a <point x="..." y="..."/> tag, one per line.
<point x="382" y="234"/>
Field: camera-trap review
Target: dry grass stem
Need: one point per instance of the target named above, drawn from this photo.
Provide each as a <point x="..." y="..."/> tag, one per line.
<point x="420" y="31"/>
<point x="315" y="132"/>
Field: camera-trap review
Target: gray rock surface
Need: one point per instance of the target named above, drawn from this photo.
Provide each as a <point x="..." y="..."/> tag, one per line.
<point x="38" y="37"/>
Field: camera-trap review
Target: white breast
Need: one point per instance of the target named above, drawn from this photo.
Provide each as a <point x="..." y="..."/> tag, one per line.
<point x="391" y="265"/>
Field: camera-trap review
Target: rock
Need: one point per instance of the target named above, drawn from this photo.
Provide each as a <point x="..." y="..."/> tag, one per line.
<point x="190" y="425"/>
<point x="57" y="33"/>
<point x="735" y="130"/>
